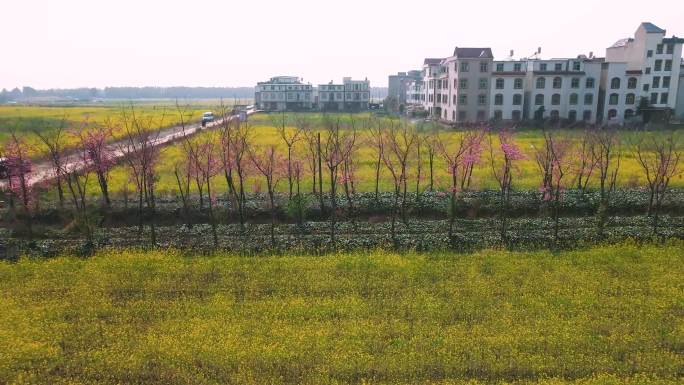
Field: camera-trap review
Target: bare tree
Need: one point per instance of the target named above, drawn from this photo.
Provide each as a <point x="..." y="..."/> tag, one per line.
<point x="18" y="164"/>
<point x="269" y="164"/>
<point x="141" y="155"/>
<point x="608" y="153"/>
<point x="659" y="158"/>
<point x="399" y="144"/>
<point x="586" y="161"/>
<point x="552" y="163"/>
<point x="290" y="136"/>
<point x="377" y="141"/>
<point x="53" y="140"/>
<point x="336" y="149"/>
<point x="98" y="156"/>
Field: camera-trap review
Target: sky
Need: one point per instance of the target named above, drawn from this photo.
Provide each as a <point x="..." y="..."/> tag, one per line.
<point x="229" y="43"/>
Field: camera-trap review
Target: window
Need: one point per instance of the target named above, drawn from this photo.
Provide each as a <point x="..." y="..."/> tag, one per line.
<point x="572" y="115"/>
<point x="574" y="98"/>
<point x="499" y="84"/>
<point x="454" y="98"/>
<point x="615" y="83"/>
<point x="613" y="99"/>
<point x="557" y="82"/>
<point x="517" y="100"/>
<point x="668" y="65"/>
<point x="465" y="66"/>
<point x="517" y="67"/>
<point x="518" y="84"/>
<point x="480" y="116"/>
<point x="574" y="83"/>
<point x="542" y="67"/>
<point x="558" y="67"/>
<point x="632" y="83"/>
<point x="666" y="82"/>
<point x="463" y="84"/>
<point x="646" y="86"/>
<point x="484" y="66"/>
<point x="648" y="70"/>
<point x="586" y="115"/>
<point x="539" y="100"/>
<point x="588" y="99"/>
<point x="463" y="100"/>
<point x="555" y="99"/>
<point x="576" y="66"/>
<point x="481" y="99"/>
<point x="658" y="65"/>
<point x="612" y="114"/>
<point x="462" y="115"/>
<point x="649" y="53"/>
<point x="629" y="99"/>
<point x="663" y="98"/>
<point x="670" y="49"/>
<point x="516" y="115"/>
<point x="541" y="83"/>
<point x="554" y="114"/>
<point x="453" y="115"/>
<point x="498" y="115"/>
<point x="659" y="49"/>
<point x="654" y="98"/>
<point x="589" y="83"/>
<point x="498" y="99"/>
<point x="629" y="113"/>
<point x="499" y="67"/>
<point x="656" y="82"/>
<point x="483" y="84"/>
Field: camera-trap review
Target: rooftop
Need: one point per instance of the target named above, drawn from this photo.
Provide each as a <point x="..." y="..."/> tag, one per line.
<point x="432" y="61"/>
<point x="622" y="42"/>
<point x="652" y="28"/>
<point x="473" y="53"/>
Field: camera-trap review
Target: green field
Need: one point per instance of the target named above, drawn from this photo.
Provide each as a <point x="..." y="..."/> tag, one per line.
<point x="609" y="315"/>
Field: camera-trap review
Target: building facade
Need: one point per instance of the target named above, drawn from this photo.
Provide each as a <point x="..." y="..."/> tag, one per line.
<point x="638" y="75"/>
<point x="288" y="93"/>
<point x="284" y="93"/>
<point x="399" y="84"/>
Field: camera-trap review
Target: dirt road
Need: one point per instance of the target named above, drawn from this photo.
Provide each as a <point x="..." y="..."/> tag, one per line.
<point x="43" y="170"/>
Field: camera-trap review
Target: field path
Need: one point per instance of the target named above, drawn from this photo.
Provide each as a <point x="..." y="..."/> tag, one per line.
<point x="43" y="171"/>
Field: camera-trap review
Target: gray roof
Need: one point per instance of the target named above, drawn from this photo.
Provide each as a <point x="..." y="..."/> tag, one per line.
<point x="652" y="28"/>
<point x="473" y="53"/>
<point x="622" y="42"/>
<point x="432" y="61"/>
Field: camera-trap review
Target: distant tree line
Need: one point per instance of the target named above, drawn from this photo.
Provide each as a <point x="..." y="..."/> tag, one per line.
<point x="18" y="94"/>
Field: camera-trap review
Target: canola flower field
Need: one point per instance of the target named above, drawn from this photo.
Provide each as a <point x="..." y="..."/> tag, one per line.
<point x="606" y="315"/>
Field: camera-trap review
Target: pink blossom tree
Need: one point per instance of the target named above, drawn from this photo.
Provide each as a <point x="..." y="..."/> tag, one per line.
<point x="53" y="140"/>
<point x="96" y="154"/>
<point x="18" y="169"/>
<point x="503" y="159"/>
<point x="399" y="142"/>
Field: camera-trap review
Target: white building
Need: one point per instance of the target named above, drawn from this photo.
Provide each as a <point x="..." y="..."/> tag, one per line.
<point x="284" y="93"/>
<point x="351" y="95"/>
<point x="642" y="73"/>
<point x="563" y="89"/>
<point x="638" y="75"/>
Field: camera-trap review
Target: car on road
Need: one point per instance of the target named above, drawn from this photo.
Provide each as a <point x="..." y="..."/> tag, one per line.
<point x="207" y="117"/>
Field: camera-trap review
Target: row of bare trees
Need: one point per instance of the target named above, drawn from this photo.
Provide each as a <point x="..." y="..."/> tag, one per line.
<point x="328" y="153"/>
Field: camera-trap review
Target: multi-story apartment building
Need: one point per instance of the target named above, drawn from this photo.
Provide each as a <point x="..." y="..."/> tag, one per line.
<point x="638" y="74"/>
<point x="398" y="85"/>
<point x="642" y="73"/>
<point x="508" y="87"/>
<point x="679" y="110"/>
<point x="415" y="92"/>
<point x="563" y="89"/>
<point x="351" y="95"/>
<point x="288" y="93"/>
<point x="283" y="93"/>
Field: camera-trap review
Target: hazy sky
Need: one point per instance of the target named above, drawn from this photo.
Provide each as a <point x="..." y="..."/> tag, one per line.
<point x="96" y="43"/>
